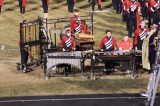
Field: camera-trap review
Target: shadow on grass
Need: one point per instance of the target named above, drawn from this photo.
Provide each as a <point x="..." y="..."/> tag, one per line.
<point x="112" y="85"/>
<point x="58" y="1"/>
<point x="112" y="26"/>
<point x="10" y="2"/>
<point x="12" y="8"/>
<point x="109" y="18"/>
<point x="33" y="9"/>
<point x="58" y="6"/>
<point x="108" y="6"/>
<point x="119" y="32"/>
<point x="84" y="6"/>
<point x="32" y="2"/>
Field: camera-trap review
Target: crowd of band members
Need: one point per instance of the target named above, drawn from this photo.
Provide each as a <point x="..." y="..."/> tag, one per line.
<point x="130" y="10"/>
<point x="70" y="3"/>
<point x="23" y="4"/>
<point x="108" y="42"/>
<point x="136" y="26"/>
<point x="136" y="13"/>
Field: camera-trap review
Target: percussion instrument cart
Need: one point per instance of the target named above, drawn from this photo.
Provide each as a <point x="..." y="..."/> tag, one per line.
<point x="32" y="44"/>
<point x="128" y="61"/>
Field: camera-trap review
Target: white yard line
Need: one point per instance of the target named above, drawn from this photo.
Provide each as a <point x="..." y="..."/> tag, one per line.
<point x="70" y="99"/>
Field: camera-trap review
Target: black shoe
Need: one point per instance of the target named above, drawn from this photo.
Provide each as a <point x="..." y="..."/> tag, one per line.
<point x="99" y="8"/>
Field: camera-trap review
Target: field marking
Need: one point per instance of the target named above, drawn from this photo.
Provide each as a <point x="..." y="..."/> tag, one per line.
<point x="70" y="99"/>
<point x="8" y="61"/>
<point x="97" y="11"/>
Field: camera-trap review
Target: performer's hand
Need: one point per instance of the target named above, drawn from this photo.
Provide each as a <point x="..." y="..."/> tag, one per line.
<point x="132" y="9"/>
<point x="63" y="50"/>
<point x="74" y="49"/>
<point x="120" y="48"/>
<point x="136" y="48"/>
<point x="147" y="5"/>
<point x="102" y="50"/>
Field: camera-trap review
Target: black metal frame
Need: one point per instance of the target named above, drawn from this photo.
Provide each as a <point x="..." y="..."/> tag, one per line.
<point x="42" y="42"/>
<point x="131" y="58"/>
<point x="66" y="20"/>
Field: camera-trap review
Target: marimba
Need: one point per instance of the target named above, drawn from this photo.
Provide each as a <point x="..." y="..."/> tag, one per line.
<point x="124" y="59"/>
<point x="73" y="58"/>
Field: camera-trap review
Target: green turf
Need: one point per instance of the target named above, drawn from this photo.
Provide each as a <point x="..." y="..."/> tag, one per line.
<point x="13" y="83"/>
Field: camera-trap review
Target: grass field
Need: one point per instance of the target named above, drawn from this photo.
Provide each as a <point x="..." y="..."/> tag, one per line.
<point x="11" y="17"/>
<point x="14" y="83"/>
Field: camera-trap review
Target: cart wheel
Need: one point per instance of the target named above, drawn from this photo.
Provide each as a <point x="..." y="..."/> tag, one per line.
<point x="24" y="70"/>
<point x="146" y="103"/>
<point x="18" y="67"/>
<point x="134" y="76"/>
<point x="46" y="77"/>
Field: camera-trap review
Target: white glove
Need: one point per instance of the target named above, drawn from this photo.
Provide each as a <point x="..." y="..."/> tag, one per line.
<point x="136" y="48"/>
<point x="132" y="9"/>
<point x="63" y="50"/>
<point x="102" y="50"/>
<point x="120" y="48"/>
<point x="74" y="49"/>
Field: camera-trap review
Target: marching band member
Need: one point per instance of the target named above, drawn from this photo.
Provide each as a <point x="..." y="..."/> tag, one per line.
<point x="125" y="12"/>
<point x="22" y="5"/>
<point x="144" y="11"/>
<point x="76" y="24"/>
<point x="154" y="7"/>
<point x="125" y="44"/>
<point x="133" y="9"/>
<point x="148" y="49"/>
<point x="148" y="56"/>
<point x="99" y="5"/>
<point x="139" y="35"/>
<point x="45" y="8"/>
<point x="119" y="6"/>
<point x="70" y="4"/>
<point x="92" y="3"/>
<point x="68" y="44"/>
<point x="1" y="4"/>
<point x="108" y="43"/>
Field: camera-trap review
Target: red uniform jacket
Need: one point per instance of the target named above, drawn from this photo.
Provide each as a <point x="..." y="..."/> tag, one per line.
<point x="1" y="2"/>
<point x="24" y="3"/>
<point x="77" y="27"/>
<point x="99" y="2"/>
<point x="152" y="5"/>
<point x="125" y="4"/>
<point x="139" y="35"/>
<point x="125" y="45"/>
<point x="68" y="43"/>
<point x="108" y="43"/>
<point x="129" y="7"/>
<point x="47" y="2"/>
